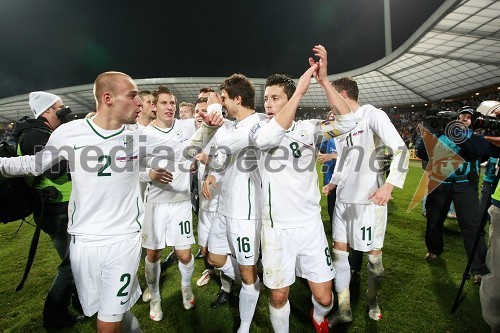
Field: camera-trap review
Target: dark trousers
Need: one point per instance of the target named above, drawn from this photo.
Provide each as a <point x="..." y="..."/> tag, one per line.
<point x="63" y="286"/>
<point x="485" y="202"/>
<point x="465" y="197"/>
<point x="330" y="199"/>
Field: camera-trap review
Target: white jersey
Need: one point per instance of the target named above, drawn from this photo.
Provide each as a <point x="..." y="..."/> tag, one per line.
<point x="241" y="188"/>
<point x="291" y="196"/>
<point x="178" y="189"/>
<point x="212" y="204"/>
<point x="104" y="206"/>
<point x="359" y="170"/>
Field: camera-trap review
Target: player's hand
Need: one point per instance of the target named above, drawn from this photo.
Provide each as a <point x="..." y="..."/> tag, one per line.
<point x="213" y="119"/>
<point x="322" y="158"/>
<point x="305" y="80"/>
<point x="206" y="184"/>
<point x="494" y="140"/>
<point x="322" y="73"/>
<point x="214" y="98"/>
<point x="382" y="195"/>
<point x="202" y="158"/>
<point x="160" y="176"/>
<point x="328" y="188"/>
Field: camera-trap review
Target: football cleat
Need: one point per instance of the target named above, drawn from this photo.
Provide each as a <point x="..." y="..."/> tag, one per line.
<point x="155" y="311"/>
<point x="205" y="277"/>
<point x="340" y="317"/>
<point x="222" y="298"/>
<point x="321" y="327"/>
<point x="187" y="297"/>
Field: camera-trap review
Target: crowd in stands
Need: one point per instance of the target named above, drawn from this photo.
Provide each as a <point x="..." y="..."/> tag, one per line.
<point x="406" y="121"/>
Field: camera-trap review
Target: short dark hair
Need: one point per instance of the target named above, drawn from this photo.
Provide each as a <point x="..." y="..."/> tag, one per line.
<point x="240" y="85"/>
<point x="284" y="81"/>
<point x="143" y="93"/>
<point x="205" y="90"/>
<point x="161" y="90"/>
<point x="201" y="100"/>
<point x="348" y="84"/>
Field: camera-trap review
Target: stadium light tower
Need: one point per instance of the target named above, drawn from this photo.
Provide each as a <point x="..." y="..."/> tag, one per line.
<point x="387" y="27"/>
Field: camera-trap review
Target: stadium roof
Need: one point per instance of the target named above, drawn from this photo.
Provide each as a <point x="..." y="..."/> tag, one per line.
<point x="456" y="51"/>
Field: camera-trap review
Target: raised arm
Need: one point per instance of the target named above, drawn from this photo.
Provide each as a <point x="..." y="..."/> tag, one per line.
<point x="337" y="103"/>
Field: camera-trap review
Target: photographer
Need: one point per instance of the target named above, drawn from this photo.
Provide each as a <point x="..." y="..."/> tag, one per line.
<point x="458" y="185"/>
<point x="490" y="287"/>
<point x="51" y="211"/>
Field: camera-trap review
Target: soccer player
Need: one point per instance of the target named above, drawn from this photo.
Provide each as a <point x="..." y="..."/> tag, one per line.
<point x="186" y="110"/>
<point x="235" y="233"/>
<point x="360" y="215"/>
<point x="148" y="114"/>
<point x="105" y="212"/>
<point x="293" y="237"/>
<point x="168" y="218"/>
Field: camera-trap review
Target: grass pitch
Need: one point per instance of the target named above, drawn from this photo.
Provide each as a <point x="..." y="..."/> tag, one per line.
<point x="416" y="296"/>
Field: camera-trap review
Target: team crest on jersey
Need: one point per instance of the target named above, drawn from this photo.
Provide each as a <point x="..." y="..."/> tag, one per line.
<point x="304" y="134"/>
<point x="179" y="133"/>
<point x="128" y="142"/>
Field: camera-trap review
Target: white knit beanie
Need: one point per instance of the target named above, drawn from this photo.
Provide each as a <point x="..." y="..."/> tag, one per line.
<point x="487" y="108"/>
<point x="40" y="101"/>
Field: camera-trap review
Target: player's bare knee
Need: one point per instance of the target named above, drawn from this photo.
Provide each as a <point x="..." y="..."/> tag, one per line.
<point x="184" y="256"/>
<point x="248" y="274"/>
<point x="325" y="299"/>
<point x="216" y="260"/>
<point x="153" y="255"/>
<point x="204" y="251"/>
<point x="375" y="265"/>
<point x="278" y="297"/>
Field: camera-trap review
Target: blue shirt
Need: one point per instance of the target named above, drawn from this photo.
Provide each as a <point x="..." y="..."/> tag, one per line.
<point x="328" y="147"/>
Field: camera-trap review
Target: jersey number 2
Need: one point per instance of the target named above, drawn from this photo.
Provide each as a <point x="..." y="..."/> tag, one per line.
<point x="107" y="161"/>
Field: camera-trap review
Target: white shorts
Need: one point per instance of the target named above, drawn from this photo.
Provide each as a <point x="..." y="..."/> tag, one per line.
<point x="204" y="224"/>
<point x="106" y="276"/>
<point x="362" y="226"/>
<point x="168" y="224"/>
<point x="302" y="252"/>
<point x="241" y="238"/>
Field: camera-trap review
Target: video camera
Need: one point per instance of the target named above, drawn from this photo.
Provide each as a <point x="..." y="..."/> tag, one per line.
<point x="436" y="120"/>
<point x="63" y="113"/>
<point x="491" y="124"/>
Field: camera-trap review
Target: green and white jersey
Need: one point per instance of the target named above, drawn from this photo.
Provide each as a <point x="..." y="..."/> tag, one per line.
<point x="359" y="171"/>
<point x="290" y="187"/>
<point x="105" y="205"/>
<point x="241" y="187"/>
<point x="177" y="190"/>
<point x="212" y="204"/>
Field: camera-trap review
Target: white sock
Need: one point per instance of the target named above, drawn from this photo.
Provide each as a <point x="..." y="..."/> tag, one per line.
<point x="342" y="270"/>
<point x="231" y="269"/>
<point x="249" y="295"/>
<point x="153" y="271"/>
<point x="186" y="272"/>
<point x="280" y="318"/>
<point x="344" y="300"/>
<point x="226" y="282"/>
<point x="320" y="311"/>
<point x="130" y="324"/>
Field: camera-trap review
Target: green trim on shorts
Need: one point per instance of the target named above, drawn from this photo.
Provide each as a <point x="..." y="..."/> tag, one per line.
<point x="270" y="214"/>
<point x="138" y="212"/>
<point x="74" y="211"/>
<point x="249" y="202"/>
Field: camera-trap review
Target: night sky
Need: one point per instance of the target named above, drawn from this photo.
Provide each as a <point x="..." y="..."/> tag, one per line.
<point x="50" y="44"/>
